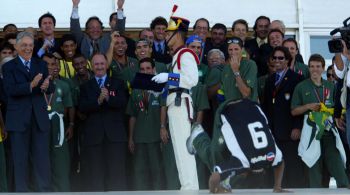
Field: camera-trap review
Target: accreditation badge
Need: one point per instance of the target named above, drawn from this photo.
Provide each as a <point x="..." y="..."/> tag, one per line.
<point x="287" y="96"/>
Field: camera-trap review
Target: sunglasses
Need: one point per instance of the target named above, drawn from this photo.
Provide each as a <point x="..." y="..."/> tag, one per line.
<point x="280" y="58"/>
<point x="235" y="41"/>
<point x="330" y="75"/>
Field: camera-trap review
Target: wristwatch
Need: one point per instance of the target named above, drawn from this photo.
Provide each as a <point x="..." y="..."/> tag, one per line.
<point x="236" y="74"/>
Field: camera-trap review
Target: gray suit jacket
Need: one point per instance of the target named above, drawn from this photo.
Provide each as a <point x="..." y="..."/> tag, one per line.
<point x="84" y="41"/>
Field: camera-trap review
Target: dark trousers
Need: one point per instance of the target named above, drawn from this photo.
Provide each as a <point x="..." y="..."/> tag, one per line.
<point x="3" y="179"/>
<point x="103" y="166"/>
<point x="147" y="166"/>
<point x="294" y="175"/>
<point x="31" y="144"/>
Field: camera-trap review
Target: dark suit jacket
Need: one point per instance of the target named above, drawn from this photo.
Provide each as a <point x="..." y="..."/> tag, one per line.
<point x="165" y="58"/>
<point x="39" y="43"/>
<point x="23" y="103"/>
<point x="106" y="119"/>
<point x="252" y="48"/>
<point x="209" y="46"/>
<point x="279" y="115"/>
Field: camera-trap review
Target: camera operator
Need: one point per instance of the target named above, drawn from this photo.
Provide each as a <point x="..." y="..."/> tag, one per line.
<point x="341" y="70"/>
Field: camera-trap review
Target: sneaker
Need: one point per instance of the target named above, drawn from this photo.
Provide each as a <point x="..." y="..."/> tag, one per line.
<point x="196" y="130"/>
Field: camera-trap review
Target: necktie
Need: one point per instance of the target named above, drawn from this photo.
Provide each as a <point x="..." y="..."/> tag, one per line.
<point x="95" y="47"/>
<point x="27" y="66"/>
<point x="160" y="48"/>
<point x="277" y="78"/>
<point x="100" y="84"/>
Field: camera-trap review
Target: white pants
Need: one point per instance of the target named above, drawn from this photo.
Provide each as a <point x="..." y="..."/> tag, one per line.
<point x="180" y="130"/>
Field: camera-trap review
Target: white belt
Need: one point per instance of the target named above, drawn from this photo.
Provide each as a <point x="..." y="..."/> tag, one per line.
<point x="61" y="134"/>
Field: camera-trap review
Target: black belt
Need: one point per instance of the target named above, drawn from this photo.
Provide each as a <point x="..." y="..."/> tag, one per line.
<point x="178" y="92"/>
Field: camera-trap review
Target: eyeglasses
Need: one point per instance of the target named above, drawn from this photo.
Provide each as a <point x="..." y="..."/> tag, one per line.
<point x="280" y="58"/>
<point x="330" y="75"/>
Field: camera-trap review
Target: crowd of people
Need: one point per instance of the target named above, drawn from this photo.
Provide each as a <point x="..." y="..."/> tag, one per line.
<point x="72" y="118"/>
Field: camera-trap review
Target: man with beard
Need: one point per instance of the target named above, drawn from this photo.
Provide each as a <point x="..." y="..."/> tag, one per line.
<point x="261" y="29"/>
<point x="217" y="40"/>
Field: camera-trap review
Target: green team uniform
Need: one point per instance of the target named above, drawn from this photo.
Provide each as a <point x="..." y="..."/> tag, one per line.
<point x="248" y="72"/>
<point x="202" y="72"/>
<point x="214" y="75"/>
<point x="75" y="86"/>
<point x="3" y="178"/>
<point x="307" y="92"/>
<point x="160" y="67"/>
<point x="200" y="103"/>
<point x="301" y="69"/>
<point x="124" y="72"/>
<point x="146" y="137"/>
<point x="60" y="162"/>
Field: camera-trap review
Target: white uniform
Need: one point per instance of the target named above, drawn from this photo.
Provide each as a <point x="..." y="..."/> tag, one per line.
<point x="179" y="122"/>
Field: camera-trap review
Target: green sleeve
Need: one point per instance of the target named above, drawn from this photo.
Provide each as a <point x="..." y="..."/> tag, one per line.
<point x="203" y="102"/>
<point x="130" y="108"/>
<point x="297" y="97"/>
<point x="213" y="78"/>
<point x="67" y="98"/>
<point x="251" y="80"/>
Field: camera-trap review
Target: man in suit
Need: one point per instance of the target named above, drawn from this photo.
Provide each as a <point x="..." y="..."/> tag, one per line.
<point x="160" y="48"/>
<point x="278" y="93"/>
<point x="48" y="44"/>
<point x="104" y="141"/>
<point x="26" y="81"/>
<point x="261" y="29"/>
<point x="94" y="40"/>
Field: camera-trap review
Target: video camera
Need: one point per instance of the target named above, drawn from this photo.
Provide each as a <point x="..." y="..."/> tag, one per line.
<point x="335" y="45"/>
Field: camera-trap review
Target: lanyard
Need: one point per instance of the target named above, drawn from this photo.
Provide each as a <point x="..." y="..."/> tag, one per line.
<point x="318" y="95"/>
<point x="48" y="101"/>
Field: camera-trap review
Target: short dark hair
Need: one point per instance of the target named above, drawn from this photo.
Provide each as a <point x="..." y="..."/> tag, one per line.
<point x="67" y="37"/>
<point x="111" y="16"/>
<point x="260" y="18"/>
<point x="317" y="58"/>
<point x="7" y="45"/>
<point x="78" y="55"/>
<point x="91" y="19"/>
<point x="145" y="29"/>
<point x="9" y="36"/>
<point x="240" y="21"/>
<point x="7" y="26"/>
<point x="285" y="51"/>
<point x="47" y="15"/>
<point x="275" y="30"/>
<point x="49" y="55"/>
<point x="201" y="19"/>
<point x="150" y="60"/>
<point x="219" y="26"/>
<point x="293" y="41"/>
<point x="329" y="68"/>
<point x="158" y="21"/>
